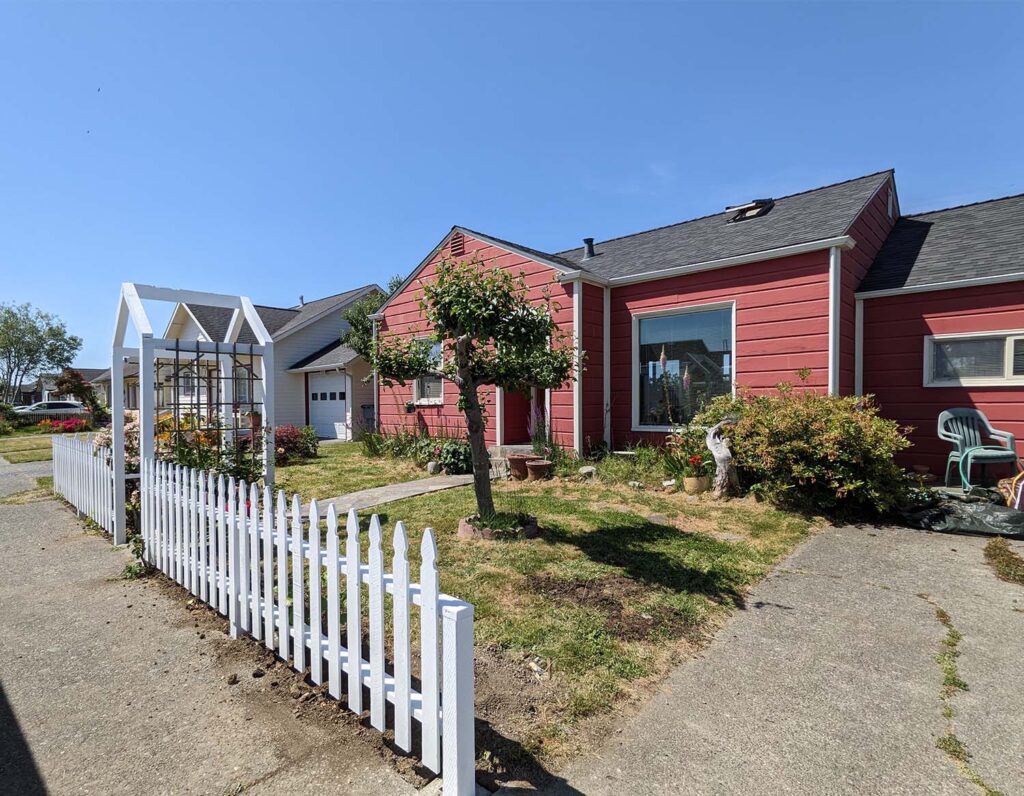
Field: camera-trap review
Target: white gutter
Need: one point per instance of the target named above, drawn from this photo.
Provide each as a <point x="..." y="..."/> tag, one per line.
<point x="577" y="385"/>
<point x="858" y="349"/>
<point x="951" y="285"/>
<point x="606" y="370"/>
<point x="835" y="282"/>
<point x="840" y="241"/>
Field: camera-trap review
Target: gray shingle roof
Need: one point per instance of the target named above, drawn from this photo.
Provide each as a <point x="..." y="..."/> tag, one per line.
<point x="278" y="320"/>
<point x="800" y="218"/>
<point x="966" y="242"/>
<point x="332" y="355"/>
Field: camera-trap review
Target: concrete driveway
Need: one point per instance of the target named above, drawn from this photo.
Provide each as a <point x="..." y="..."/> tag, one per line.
<point x="828" y="682"/>
<point x="112" y="686"/>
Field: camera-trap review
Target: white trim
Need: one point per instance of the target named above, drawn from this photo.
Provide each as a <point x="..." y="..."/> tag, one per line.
<point x="607" y="367"/>
<point x="684" y="309"/>
<point x="858" y="348"/>
<point x="577" y="385"/>
<point x="499" y="419"/>
<point x="935" y="286"/>
<point x="835" y="288"/>
<point x="328" y="311"/>
<point x="841" y="241"/>
<point x="1009" y="336"/>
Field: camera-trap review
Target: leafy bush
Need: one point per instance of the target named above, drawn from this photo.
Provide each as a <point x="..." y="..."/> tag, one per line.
<point x="374" y="444"/>
<point x="456" y="457"/>
<point x="292" y="442"/>
<point x="7" y="413"/>
<point x="687" y="454"/>
<point x="5" y="428"/>
<point x="811" y="451"/>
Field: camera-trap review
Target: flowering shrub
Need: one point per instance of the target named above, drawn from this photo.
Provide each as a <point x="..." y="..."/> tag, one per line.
<point x="455" y="457"/>
<point x="687" y="454"/>
<point x="292" y="442"/>
<point x="812" y="451"/>
<point x="70" y="426"/>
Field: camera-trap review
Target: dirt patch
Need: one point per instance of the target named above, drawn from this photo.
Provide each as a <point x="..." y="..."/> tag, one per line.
<point x="612" y="596"/>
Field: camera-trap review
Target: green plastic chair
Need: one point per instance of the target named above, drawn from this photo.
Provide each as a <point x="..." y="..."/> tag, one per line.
<point x="965" y="428"/>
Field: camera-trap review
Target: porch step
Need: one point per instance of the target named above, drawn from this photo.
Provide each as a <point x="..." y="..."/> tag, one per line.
<point x="501" y="451"/>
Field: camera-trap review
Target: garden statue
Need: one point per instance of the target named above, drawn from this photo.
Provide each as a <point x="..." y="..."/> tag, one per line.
<point x="726" y="481"/>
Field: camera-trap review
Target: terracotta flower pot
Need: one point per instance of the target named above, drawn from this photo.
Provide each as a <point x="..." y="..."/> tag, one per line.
<point x="517" y="465"/>
<point x="694" y="485"/>
<point x="538" y="469"/>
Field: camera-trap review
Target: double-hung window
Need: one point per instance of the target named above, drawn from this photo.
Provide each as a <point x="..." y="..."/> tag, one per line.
<point x="682" y="359"/>
<point x="430" y="389"/>
<point x="984" y="359"/>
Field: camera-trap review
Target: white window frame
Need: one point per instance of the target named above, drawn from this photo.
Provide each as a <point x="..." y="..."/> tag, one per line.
<point x="683" y="309"/>
<point x="1007" y="379"/>
<point x="416" y="398"/>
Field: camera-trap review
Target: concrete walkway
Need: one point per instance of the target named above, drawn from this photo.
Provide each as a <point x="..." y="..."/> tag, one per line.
<point x="827" y="683"/>
<point x="19" y="477"/>
<point x="114" y="687"/>
<point x="367" y="498"/>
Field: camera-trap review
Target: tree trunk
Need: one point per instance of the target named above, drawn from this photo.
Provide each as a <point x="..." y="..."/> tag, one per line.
<point x="726" y="481"/>
<point x="475" y="426"/>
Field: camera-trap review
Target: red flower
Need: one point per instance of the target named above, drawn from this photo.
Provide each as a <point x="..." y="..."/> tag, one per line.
<point x="695" y="460"/>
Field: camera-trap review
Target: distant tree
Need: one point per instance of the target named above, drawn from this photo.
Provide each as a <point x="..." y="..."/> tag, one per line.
<point x="359" y="335"/>
<point x="71" y="382"/>
<point x="490" y="333"/>
<point x="32" y="343"/>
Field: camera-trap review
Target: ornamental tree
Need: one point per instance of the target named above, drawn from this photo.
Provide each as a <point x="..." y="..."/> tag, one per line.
<point x="490" y="334"/>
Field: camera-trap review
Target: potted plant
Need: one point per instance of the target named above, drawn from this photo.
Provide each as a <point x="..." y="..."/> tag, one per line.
<point x="517" y="465"/>
<point x="538" y="469"/>
<point x="687" y="457"/>
<point x="695" y="477"/>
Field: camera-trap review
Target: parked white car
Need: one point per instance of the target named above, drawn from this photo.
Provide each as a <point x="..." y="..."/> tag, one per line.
<point x="50" y="408"/>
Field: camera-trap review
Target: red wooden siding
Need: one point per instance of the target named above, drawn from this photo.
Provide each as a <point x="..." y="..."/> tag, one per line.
<point x="781" y="325"/>
<point x="592" y="343"/>
<point x="869" y="231"/>
<point x="894" y="332"/>
<point x="403" y="316"/>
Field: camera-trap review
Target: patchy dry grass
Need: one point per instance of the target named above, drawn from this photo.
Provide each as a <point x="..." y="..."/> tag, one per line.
<point x="342" y="468"/>
<point x="43" y="490"/>
<point x="1007" y="564"/>
<point x="619" y="587"/>
<point x="22" y="448"/>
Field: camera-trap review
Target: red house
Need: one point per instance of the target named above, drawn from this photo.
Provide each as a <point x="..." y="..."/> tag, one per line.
<point x="830" y="281"/>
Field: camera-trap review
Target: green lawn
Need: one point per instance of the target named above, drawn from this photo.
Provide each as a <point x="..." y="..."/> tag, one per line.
<point x="342" y="468"/>
<point x="620" y="586"/>
<point x="20" y="448"/>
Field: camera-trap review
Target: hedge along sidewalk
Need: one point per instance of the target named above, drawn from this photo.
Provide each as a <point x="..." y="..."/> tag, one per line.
<point x="367" y="498"/>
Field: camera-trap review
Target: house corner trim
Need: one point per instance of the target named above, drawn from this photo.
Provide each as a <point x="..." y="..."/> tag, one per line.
<point x="835" y="281"/>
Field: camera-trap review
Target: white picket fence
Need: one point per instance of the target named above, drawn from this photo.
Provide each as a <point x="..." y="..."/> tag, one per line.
<point x="264" y="567"/>
<point x="84" y="477"/>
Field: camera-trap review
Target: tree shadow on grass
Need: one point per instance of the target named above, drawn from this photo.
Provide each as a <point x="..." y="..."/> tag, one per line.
<point x="662" y="555"/>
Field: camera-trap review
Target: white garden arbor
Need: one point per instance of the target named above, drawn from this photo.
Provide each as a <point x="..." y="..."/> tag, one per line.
<point x="221" y="355"/>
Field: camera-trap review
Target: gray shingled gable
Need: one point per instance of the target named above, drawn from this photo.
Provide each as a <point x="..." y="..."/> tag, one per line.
<point x="278" y="320"/>
<point x="804" y="217"/>
<point x="332" y="355"/>
<point x="966" y="242"/>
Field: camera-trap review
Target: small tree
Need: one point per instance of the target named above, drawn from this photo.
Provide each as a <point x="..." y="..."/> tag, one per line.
<point x="490" y="334"/>
<point x="359" y="334"/>
<point x="70" y="382"/>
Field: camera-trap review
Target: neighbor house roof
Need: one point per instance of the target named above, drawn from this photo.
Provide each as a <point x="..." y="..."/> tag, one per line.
<point x="104" y="376"/>
<point x="969" y="242"/>
<point x="280" y="321"/>
<point x="813" y="215"/>
<point x="332" y="355"/>
<point x="88" y="374"/>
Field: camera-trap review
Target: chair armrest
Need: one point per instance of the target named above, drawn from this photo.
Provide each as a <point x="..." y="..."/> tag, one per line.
<point x="1005" y="437"/>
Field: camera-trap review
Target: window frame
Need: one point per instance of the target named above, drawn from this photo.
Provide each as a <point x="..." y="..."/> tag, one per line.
<point x="417" y="399"/>
<point x="1008" y="336"/>
<point x="683" y="309"/>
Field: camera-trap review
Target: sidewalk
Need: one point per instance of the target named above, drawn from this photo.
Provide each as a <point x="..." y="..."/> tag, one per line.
<point x="828" y="681"/>
<point x="114" y="687"/>
<point x="367" y="498"/>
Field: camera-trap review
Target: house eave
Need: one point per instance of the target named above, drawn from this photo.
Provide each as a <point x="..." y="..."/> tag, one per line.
<point x="931" y="287"/>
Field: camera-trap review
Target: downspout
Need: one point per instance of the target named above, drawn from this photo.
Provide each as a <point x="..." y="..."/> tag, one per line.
<point x="607" y="369"/>
<point x="858" y="349"/>
<point x="835" y="279"/>
<point x="577" y="385"/>
<point x="376" y="383"/>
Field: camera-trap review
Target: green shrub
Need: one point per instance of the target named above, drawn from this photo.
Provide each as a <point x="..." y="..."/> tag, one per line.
<point x="5" y="428"/>
<point x="373" y="444"/>
<point x="456" y="457"/>
<point x="292" y="442"/>
<point x="816" y="452"/>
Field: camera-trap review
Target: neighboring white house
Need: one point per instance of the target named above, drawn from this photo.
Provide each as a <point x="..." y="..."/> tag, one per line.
<point x="317" y="380"/>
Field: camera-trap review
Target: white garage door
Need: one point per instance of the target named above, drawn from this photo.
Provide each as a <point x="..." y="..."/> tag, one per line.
<point x="327" y="405"/>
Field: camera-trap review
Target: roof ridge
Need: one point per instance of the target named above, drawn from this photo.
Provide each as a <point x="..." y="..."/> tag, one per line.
<point x="720" y="212"/>
<point x="298" y="307"/>
<point x="967" y="204"/>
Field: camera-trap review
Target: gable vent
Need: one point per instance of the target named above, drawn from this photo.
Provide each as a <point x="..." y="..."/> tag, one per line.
<point x="457" y="245"/>
<point x="753" y="209"/>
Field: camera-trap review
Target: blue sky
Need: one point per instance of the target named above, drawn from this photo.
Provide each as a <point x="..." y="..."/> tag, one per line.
<point x="285" y="149"/>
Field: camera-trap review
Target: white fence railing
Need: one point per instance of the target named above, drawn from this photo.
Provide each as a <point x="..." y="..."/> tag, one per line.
<point x="84" y="477"/>
<point x="264" y="567"/>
